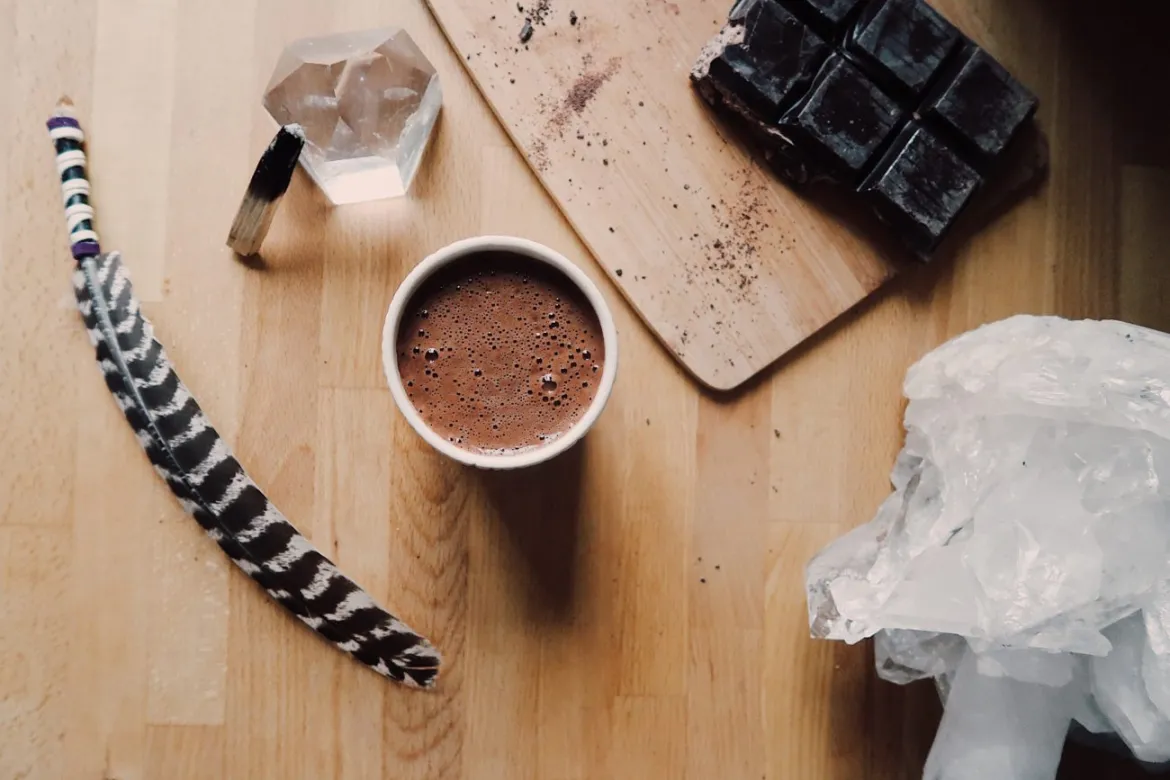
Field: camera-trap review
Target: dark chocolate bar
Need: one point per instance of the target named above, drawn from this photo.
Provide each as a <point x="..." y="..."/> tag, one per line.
<point x="884" y="97"/>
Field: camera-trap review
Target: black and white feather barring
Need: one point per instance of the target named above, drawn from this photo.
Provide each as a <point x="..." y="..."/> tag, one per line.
<point x="196" y="462"/>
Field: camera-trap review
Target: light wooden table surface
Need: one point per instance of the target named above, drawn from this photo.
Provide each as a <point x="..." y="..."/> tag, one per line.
<point x="635" y="610"/>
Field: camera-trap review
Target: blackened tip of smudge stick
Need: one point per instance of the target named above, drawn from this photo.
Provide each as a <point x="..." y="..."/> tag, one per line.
<point x="269" y="182"/>
<point x="275" y="169"/>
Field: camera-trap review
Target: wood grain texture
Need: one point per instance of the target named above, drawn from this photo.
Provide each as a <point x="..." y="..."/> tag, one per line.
<point x="729" y="267"/>
<point x="1145" y="234"/>
<point x="633" y="609"/>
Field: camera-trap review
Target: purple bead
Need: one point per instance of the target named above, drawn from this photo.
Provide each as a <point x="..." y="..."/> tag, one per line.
<point x="62" y="121"/>
<point x="86" y="249"/>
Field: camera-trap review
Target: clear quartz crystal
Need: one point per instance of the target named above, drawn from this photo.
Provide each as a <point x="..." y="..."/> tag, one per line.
<point x="1023" y="557"/>
<point x="1031" y="503"/>
<point x="368" y="102"/>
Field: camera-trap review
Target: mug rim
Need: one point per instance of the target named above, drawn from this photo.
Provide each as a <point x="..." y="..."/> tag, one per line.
<point x="535" y="251"/>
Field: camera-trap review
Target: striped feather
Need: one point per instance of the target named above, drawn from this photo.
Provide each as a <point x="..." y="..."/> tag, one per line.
<point x="209" y="482"/>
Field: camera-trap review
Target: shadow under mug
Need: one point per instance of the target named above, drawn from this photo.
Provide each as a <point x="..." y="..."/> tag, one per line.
<point x="531" y="250"/>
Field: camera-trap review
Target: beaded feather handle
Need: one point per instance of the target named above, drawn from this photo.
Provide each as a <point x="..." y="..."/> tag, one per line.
<point x="198" y="465"/>
<point x="68" y="141"/>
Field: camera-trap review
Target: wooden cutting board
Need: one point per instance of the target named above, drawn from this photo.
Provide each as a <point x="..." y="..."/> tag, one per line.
<point x="728" y="267"/>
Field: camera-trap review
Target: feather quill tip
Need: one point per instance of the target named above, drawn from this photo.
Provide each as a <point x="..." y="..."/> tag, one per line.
<point x="65" y="108"/>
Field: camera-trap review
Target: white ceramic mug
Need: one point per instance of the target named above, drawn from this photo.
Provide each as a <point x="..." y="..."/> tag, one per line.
<point x="535" y="251"/>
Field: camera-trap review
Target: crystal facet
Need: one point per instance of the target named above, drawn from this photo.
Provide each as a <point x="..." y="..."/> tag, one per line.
<point x="368" y="102"/>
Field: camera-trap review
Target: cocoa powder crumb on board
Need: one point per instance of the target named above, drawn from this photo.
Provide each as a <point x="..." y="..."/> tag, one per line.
<point x="586" y="87"/>
<point x="540" y="11"/>
<point x="560" y="113"/>
<point x="539" y="155"/>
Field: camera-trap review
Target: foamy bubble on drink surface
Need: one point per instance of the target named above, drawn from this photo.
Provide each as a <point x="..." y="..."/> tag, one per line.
<point x="510" y="351"/>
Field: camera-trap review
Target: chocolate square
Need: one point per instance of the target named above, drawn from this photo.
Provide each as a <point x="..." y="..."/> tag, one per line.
<point x="983" y="105"/>
<point x="845" y="119"/>
<point x="774" y="64"/>
<point x="826" y="16"/>
<point x="920" y="187"/>
<point x="903" y="43"/>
